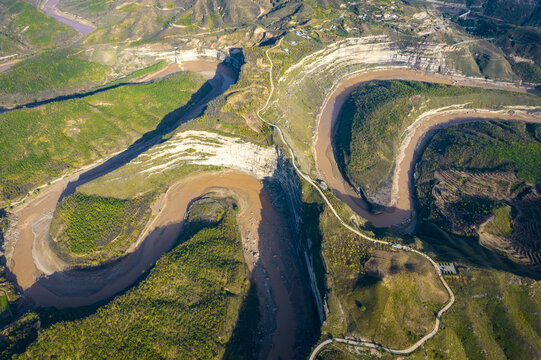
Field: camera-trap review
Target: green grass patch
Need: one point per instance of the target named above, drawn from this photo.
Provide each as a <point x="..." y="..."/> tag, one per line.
<point x="526" y="157"/>
<point x="186" y="308"/>
<point x="89" y="7"/>
<point x="69" y="134"/>
<point x="501" y="223"/>
<point x="48" y="74"/>
<point x="137" y="74"/>
<point x="528" y="72"/>
<point x="3" y="303"/>
<point x="29" y="27"/>
<point x="98" y="228"/>
<point x="493" y="317"/>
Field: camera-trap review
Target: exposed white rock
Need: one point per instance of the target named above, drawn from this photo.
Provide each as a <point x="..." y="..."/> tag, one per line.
<point x="370" y="50"/>
<point x="174" y="55"/>
<point x="207" y="148"/>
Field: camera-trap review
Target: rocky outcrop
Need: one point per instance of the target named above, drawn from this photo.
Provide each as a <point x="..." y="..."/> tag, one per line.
<point x="303" y="88"/>
<point x="207" y="149"/>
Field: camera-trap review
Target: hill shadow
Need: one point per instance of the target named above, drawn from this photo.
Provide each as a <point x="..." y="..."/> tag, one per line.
<point x="210" y="90"/>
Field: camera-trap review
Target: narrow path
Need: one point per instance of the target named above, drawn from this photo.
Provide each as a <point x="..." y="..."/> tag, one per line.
<point x="356" y="232"/>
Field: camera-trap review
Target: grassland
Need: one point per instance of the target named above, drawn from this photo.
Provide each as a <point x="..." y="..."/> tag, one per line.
<point x="48" y="75"/>
<point x="92" y="229"/>
<point x="482" y="172"/>
<point x="371" y="292"/>
<point x="370" y="127"/>
<point x="494" y="317"/>
<point x="185" y="308"/>
<point x="25" y="28"/>
<point x="69" y="134"/>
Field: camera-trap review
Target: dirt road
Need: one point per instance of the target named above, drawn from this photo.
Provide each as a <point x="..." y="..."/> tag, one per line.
<point x="401" y="211"/>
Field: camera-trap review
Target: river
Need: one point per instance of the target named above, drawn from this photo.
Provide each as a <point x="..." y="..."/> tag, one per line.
<point x="400" y="212"/>
<point x="49" y="7"/>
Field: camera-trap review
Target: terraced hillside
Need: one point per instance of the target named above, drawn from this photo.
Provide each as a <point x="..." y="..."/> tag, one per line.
<point x="376" y="115"/>
<point x="480" y="182"/>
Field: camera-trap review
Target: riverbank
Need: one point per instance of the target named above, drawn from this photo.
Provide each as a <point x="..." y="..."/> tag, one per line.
<point x="400" y="212"/>
<point x="81" y="25"/>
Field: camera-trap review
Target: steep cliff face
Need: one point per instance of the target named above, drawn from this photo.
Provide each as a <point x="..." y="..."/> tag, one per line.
<point x="303" y="88"/>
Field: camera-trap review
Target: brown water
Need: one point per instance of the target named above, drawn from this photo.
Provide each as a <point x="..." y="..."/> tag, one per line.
<point x="49" y="7"/>
<point x="79" y="288"/>
<point x="324" y="152"/>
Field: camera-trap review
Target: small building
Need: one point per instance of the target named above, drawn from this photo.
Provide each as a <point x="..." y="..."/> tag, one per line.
<point x="322" y="184"/>
<point x="447" y="268"/>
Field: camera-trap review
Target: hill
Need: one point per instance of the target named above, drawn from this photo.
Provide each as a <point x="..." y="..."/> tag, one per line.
<point x="24" y="28"/>
<point x="479" y="183"/>
<point x="186" y="307"/>
<point x="60" y="136"/>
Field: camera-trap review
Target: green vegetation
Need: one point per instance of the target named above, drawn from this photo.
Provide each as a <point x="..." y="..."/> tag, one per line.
<point x="91" y="228"/>
<point x="47" y="75"/>
<point x="473" y="172"/>
<point x="377" y="113"/>
<point x="72" y="133"/>
<point x="136" y="75"/>
<point x="88" y="6"/>
<point x="185" y="308"/>
<point x="387" y="296"/>
<point x="522" y="41"/>
<point x="23" y="27"/>
<point x="494" y="317"/>
<point x="501" y="223"/>
<point x="372" y="122"/>
<point x="530" y="73"/>
<point x="525" y="156"/>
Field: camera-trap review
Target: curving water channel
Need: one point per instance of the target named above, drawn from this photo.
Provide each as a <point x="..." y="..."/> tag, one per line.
<point x="401" y="211"/>
<point x="46" y="282"/>
<point x="83" y="27"/>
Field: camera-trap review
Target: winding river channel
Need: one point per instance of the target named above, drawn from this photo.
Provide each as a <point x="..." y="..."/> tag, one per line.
<point x="401" y="210"/>
<point x="258" y="218"/>
<point x="264" y="230"/>
<point x="83" y="27"/>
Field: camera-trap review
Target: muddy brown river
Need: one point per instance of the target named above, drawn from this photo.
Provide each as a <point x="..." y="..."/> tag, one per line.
<point x="47" y="282"/>
<point x="401" y="211"/>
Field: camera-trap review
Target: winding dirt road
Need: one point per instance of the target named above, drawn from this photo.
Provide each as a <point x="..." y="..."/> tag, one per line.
<point x="401" y="210"/>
